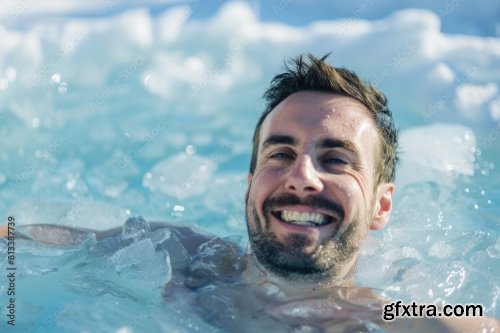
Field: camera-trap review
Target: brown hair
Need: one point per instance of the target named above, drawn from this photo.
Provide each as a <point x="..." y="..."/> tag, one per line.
<point x="314" y="74"/>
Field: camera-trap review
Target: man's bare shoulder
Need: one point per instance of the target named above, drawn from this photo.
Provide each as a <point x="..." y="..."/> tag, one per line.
<point x="54" y="234"/>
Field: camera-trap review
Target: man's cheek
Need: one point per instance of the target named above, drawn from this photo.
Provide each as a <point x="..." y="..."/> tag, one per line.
<point x="348" y="194"/>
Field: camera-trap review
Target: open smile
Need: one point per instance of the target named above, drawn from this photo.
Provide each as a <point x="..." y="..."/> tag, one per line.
<point x="304" y="218"/>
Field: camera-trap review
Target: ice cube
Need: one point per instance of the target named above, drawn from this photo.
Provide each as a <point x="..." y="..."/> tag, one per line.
<point x="216" y="258"/>
<point x="133" y="254"/>
<point x="36" y="270"/>
<point x="110" y="245"/>
<point x="135" y="228"/>
<point x="159" y="236"/>
<point x="179" y="256"/>
<point x="151" y="273"/>
<point x="439" y="153"/>
<point x="181" y="175"/>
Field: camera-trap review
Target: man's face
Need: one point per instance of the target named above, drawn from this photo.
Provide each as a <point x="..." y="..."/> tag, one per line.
<point x="312" y="196"/>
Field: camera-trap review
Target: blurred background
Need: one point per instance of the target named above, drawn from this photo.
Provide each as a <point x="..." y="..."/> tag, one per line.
<point x="116" y="108"/>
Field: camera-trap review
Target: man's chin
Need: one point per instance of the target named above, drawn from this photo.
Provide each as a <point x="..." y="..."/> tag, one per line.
<point x="296" y="259"/>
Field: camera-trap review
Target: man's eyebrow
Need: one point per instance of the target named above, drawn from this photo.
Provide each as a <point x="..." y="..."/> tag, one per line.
<point x="338" y="143"/>
<point x="279" y="140"/>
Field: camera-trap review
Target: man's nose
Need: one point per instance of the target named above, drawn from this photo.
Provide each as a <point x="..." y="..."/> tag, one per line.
<point x="302" y="178"/>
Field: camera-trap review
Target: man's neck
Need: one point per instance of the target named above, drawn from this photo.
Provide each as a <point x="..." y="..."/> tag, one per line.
<point x="256" y="274"/>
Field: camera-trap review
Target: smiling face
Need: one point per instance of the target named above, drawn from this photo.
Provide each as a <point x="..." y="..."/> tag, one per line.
<point x="312" y="196"/>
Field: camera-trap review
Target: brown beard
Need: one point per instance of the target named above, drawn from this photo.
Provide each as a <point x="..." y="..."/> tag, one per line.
<point x="288" y="260"/>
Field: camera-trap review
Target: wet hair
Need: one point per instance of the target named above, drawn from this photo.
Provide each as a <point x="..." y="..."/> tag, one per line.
<point x="308" y="73"/>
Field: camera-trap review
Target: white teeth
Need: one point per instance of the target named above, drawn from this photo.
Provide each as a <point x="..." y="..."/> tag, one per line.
<point x="304" y="218"/>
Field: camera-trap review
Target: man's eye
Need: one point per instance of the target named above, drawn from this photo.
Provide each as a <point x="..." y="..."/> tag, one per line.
<point x="336" y="161"/>
<point x="280" y="156"/>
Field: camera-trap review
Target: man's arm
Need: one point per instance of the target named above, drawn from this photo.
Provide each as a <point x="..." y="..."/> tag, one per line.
<point x="63" y="235"/>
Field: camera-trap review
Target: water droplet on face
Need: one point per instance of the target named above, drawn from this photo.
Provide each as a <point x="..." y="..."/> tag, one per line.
<point x="190" y="150"/>
<point x="63" y="88"/>
<point x="55" y="79"/>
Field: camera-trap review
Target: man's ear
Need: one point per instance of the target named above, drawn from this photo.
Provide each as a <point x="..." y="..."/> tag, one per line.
<point x="383" y="206"/>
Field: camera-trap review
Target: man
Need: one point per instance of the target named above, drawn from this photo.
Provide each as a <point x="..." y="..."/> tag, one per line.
<point x="321" y="176"/>
<point x="322" y="172"/>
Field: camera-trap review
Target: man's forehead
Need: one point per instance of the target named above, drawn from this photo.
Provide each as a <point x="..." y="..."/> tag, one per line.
<point x="325" y="114"/>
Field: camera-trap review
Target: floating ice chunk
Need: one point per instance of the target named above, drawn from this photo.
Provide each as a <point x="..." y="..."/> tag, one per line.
<point x="438" y="153"/>
<point x="171" y="22"/>
<point x="135" y="228"/>
<point x="114" y="190"/>
<point x="485" y="262"/>
<point x="215" y="258"/>
<point x="428" y="282"/>
<point x="494" y="107"/>
<point x="179" y="256"/>
<point x="36" y="270"/>
<point x="494" y="251"/>
<point x="159" y="236"/>
<point x="133" y="254"/>
<point x="110" y="245"/>
<point x="151" y="272"/>
<point x="181" y="175"/>
<point x="402" y="253"/>
<point x="168" y="265"/>
<point x="471" y="98"/>
<point x="441" y="249"/>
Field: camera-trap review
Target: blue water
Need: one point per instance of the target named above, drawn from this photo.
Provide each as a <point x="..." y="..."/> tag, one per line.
<point x="109" y="118"/>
